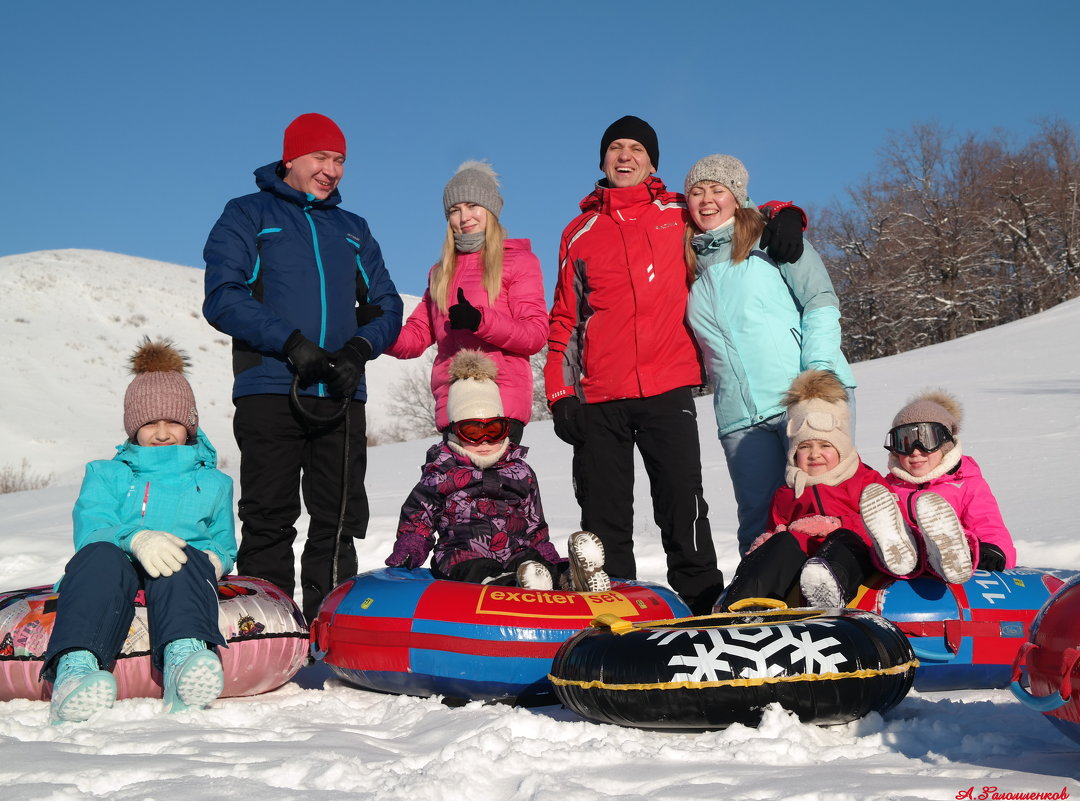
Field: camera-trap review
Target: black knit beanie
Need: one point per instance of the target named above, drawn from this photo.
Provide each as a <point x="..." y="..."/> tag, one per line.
<point x="631" y="127"/>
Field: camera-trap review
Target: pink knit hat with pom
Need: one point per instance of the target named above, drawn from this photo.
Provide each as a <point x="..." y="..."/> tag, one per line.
<point x="159" y="390"/>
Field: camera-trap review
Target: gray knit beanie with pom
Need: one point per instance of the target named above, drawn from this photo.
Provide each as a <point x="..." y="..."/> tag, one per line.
<point x="474" y="182"/>
<point x="159" y="390"/>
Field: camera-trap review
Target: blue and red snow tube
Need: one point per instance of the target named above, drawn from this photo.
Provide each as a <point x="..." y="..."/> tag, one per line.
<point x="402" y="631"/>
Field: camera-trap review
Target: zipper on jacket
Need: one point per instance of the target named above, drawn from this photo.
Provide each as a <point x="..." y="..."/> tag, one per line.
<point x="145" y="499"/>
<point x="322" y="287"/>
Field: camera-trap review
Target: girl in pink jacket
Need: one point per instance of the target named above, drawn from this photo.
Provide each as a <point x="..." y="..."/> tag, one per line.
<point x="486" y="293"/>
<point x="941" y="517"/>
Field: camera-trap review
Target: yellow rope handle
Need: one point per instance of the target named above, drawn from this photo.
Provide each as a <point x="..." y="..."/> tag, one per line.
<point x="614" y="623"/>
<point x="770" y="603"/>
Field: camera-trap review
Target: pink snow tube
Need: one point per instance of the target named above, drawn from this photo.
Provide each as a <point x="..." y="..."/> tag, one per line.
<point x="265" y="630"/>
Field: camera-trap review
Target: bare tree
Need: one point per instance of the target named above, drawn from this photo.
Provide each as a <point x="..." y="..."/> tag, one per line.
<point x="411" y="406"/>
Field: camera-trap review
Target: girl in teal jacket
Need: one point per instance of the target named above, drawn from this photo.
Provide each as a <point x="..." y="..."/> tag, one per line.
<point x="758" y="324"/>
<point x="157" y="517"/>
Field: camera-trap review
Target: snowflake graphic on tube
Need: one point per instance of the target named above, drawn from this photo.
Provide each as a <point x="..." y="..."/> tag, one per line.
<point x="765" y="652"/>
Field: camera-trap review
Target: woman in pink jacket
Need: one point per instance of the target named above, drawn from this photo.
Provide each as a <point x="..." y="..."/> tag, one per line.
<point x="939" y="500"/>
<point x="485" y="293"/>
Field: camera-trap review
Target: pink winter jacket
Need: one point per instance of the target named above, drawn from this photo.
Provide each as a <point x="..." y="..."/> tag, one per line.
<point x="968" y="493"/>
<point x="510" y="332"/>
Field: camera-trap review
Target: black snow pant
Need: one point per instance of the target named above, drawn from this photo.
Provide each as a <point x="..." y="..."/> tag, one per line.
<point x="277" y="447"/>
<point x="772" y="570"/>
<point x="96" y="605"/>
<point x="664" y="429"/>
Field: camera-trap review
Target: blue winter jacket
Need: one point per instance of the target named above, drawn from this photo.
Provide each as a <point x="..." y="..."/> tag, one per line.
<point x="759" y="325"/>
<point x="177" y="489"/>
<point x="277" y="261"/>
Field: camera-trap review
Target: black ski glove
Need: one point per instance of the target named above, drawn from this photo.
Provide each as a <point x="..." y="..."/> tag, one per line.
<point x="311" y="362"/>
<point x="348" y="366"/>
<point x="782" y="238"/>
<point x="566" y="415"/>
<point x="991" y="557"/>
<point x="463" y="314"/>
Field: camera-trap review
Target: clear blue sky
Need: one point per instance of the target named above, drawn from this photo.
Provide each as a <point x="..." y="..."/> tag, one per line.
<point x="126" y="126"/>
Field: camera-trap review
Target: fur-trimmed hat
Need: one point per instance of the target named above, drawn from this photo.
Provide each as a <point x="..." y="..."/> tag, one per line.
<point x="817" y="409"/>
<point x="474" y="182"/>
<point x="931" y="406"/>
<point x="726" y="170"/>
<point x="473" y="393"/>
<point x="159" y="390"/>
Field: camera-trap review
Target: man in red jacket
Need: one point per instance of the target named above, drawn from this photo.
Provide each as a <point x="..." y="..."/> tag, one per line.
<point x="622" y="363"/>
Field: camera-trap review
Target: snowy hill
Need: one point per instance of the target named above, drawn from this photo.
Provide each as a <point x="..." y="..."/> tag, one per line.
<point x="72" y="316"/>
<point x="71" y="319"/>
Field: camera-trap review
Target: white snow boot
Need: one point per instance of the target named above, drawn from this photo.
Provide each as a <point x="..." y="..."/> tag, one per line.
<point x="893" y="540"/>
<point x="587" y="563"/>
<point x="193" y="675"/>
<point x="819" y="585"/>
<point x="947" y="550"/>
<point x="81" y="688"/>
<point x="534" y="576"/>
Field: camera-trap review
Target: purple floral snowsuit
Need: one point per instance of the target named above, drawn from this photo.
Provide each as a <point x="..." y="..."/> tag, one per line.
<point x="466" y="513"/>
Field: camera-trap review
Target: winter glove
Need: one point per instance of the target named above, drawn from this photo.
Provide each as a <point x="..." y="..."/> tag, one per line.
<point x="782" y="238"/>
<point x="409" y="551"/>
<point x="566" y="415"/>
<point x="815" y="525"/>
<point x="991" y="557"/>
<point x="366" y="312"/>
<point x="347" y="367"/>
<point x="219" y="569"/>
<point x="763" y="538"/>
<point x="311" y="362"/>
<point x="463" y="315"/>
<point x="159" y="552"/>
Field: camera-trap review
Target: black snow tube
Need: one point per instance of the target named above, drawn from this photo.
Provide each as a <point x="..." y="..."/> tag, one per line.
<point x="702" y="673"/>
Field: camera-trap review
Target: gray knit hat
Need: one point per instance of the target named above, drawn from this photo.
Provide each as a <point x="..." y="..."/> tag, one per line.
<point x="726" y="170"/>
<point x="159" y="390"/>
<point x="474" y="182"/>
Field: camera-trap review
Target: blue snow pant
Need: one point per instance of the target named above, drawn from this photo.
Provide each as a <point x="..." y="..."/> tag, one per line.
<point x="756" y="461"/>
<point x="95" y="606"/>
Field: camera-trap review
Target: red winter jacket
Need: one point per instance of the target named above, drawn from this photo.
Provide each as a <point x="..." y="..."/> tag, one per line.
<point x="618" y="324"/>
<point x="841" y="501"/>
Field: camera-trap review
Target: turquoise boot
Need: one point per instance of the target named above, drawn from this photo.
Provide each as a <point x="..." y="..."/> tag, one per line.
<point x="81" y="688"/>
<point x="193" y="675"/>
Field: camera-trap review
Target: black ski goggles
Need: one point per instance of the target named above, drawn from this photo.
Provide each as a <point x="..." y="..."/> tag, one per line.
<point x="926" y="437"/>
<point x="487" y="429"/>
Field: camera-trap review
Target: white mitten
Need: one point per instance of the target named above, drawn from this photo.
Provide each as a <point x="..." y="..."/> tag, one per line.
<point x="219" y="569"/>
<point x="160" y="552"/>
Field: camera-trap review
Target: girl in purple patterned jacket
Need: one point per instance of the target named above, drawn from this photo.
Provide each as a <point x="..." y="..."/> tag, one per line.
<point x="478" y="502"/>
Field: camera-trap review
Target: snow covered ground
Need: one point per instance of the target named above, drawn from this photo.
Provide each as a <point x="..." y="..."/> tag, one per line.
<point x="70" y="318"/>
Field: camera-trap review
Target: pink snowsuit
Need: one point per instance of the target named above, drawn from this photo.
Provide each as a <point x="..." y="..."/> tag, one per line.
<point x="510" y="332"/>
<point x="969" y="495"/>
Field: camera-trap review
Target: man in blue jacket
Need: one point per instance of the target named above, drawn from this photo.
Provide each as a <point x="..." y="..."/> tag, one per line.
<point x="300" y="286"/>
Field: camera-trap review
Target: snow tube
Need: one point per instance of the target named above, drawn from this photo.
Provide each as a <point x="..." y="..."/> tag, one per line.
<point x="1051" y="657"/>
<point x="402" y="631"/>
<point x="263" y="627"/>
<point x="702" y="673"/>
<point x="966" y="636"/>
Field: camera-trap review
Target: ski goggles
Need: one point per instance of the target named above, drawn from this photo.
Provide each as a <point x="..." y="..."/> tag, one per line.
<point x="487" y="429"/>
<point x="927" y="437"/>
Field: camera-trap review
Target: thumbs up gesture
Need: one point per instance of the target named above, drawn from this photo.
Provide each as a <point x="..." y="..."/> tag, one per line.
<point x="463" y="315"/>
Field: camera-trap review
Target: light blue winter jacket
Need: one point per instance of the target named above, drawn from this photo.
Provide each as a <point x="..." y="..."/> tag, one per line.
<point x="759" y="325"/>
<point x="177" y="489"/>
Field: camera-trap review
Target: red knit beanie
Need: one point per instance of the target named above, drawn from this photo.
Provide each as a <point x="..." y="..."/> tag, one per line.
<point x="311" y="132"/>
<point x="159" y="390"/>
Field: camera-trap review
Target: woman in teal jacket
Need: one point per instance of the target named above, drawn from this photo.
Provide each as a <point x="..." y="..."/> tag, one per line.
<point x="157" y="517"/>
<point x="758" y="324"/>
